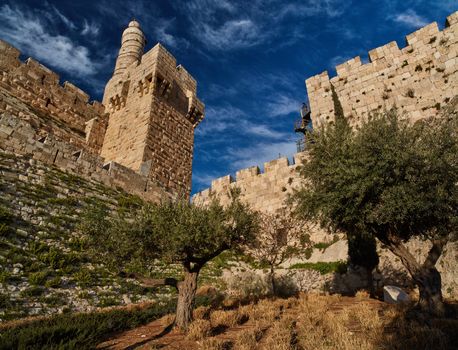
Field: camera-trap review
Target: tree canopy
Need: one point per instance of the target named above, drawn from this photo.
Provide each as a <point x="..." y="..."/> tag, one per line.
<point x="174" y="232"/>
<point x="388" y="178"/>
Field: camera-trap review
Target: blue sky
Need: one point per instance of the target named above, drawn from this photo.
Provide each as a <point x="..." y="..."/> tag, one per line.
<point x="250" y="58"/>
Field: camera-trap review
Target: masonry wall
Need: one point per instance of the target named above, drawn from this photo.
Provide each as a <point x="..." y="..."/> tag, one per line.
<point x="32" y="92"/>
<point x="266" y="191"/>
<point x="417" y="79"/>
<point x="153" y="112"/>
<point x="19" y="137"/>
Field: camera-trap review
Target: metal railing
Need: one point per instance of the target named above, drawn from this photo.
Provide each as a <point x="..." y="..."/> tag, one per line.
<point x="300" y="145"/>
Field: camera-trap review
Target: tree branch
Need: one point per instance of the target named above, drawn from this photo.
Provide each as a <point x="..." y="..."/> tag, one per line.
<point x="434" y="253"/>
<point x="201" y="261"/>
<point x="396" y="246"/>
<point x="152" y="282"/>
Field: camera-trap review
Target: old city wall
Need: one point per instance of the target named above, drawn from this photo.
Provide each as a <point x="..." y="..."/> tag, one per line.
<point x="417" y="79"/>
<point x="19" y="137"/>
<point x="264" y="191"/>
<point x="52" y="108"/>
<point x="153" y="112"/>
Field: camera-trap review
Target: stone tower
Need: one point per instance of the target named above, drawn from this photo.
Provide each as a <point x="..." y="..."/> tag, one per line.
<point x="153" y="110"/>
<point x="132" y="47"/>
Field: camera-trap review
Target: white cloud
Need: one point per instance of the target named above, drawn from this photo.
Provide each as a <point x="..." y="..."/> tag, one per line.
<point x="411" y="19"/>
<point x="308" y="8"/>
<point x="233" y="34"/>
<point x="30" y="34"/>
<point x="63" y="18"/>
<point x="282" y="105"/>
<point x="225" y="25"/>
<point x="260" y="153"/>
<point x="232" y="119"/>
<point x="161" y="31"/>
<point x="90" y="28"/>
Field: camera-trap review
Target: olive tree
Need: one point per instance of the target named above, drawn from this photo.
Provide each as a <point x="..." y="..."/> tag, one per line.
<point x="280" y="238"/>
<point x="391" y="179"/>
<point x="174" y="232"/>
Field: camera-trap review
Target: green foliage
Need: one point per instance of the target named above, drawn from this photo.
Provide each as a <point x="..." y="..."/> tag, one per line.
<point x="386" y="177"/>
<point x="38" y="278"/>
<point x="6" y="218"/>
<point x="4" y="277"/>
<point x="80" y="331"/>
<point x="53" y="282"/>
<point x="362" y="250"/>
<point x="84" y="277"/>
<point x="56" y="259"/>
<point x="323" y="267"/>
<point x="5" y="301"/>
<point x="33" y="291"/>
<point x="325" y="245"/>
<point x="175" y="232"/>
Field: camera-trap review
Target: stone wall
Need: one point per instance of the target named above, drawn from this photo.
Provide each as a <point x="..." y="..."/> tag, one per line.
<point x="417" y="79"/>
<point x="19" y="137"/>
<point x="31" y="91"/>
<point x="266" y="191"/>
<point x="153" y="112"/>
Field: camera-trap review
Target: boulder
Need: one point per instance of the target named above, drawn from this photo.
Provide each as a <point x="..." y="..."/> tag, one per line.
<point x="395" y="295"/>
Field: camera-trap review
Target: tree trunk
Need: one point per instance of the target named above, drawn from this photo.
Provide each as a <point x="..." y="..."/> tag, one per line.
<point x="186" y="294"/>
<point x="370" y="282"/>
<point x="425" y="276"/>
<point x="272" y="281"/>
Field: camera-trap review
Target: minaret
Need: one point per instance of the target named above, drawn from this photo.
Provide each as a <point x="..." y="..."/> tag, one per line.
<point x="132" y="46"/>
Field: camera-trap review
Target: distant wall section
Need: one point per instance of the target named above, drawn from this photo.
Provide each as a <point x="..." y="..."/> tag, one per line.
<point x="266" y="191"/>
<point x="417" y="79"/>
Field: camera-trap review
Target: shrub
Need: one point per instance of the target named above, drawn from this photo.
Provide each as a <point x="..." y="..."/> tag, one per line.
<point x="84" y="278"/>
<point x="38" y="278"/>
<point x="53" y="282"/>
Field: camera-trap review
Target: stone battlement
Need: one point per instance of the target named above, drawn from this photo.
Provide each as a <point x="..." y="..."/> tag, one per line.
<point x="66" y="107"/>
<point x="417" y="79"/>
<point x="264" y="191"/>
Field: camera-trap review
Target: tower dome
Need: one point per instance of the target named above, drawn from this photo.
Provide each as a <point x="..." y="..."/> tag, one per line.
<point x="132" y="46"/>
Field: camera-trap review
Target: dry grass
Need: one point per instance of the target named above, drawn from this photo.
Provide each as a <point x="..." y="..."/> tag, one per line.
<point x="199" y="329"/>
<point x="214" y="344"/>
<point x="249" y="338"/>
<point x="322" y="322"/>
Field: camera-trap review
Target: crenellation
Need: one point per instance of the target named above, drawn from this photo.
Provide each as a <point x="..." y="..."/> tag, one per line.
<point x="264" y="191"/>
<point x="422" y="35"/>
<point x="275" y="164"/>
<point x="423" y="71"/>
<point x="247" y="173"/>
<point x="452" y="19"/>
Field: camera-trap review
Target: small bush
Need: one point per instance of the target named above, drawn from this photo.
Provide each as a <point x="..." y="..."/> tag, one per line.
<point x="34" y="291"/>
<point x="5" y="301"/>
<point x="53" y="282"/>
<point x="6" y="218"/>
<point x="38" y="278"/>
<point x="4" y="277"/>
<point x="84" y="278"/>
